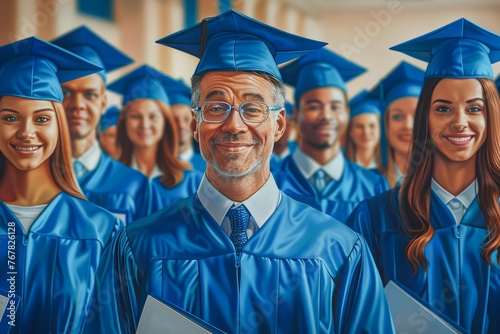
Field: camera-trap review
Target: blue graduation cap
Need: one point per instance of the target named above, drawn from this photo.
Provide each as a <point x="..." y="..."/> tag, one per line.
<point x="321" y="68"/>
<point x="88" y="45"/>
<point x="144" y="82"/>
<point x="232" y="41"/>
<point x="364" y="103"/>
<point x="460" y="49"/>
<point x="109" y="118"/>
<point x="404" y="80"/>
<point x="179" y="93"/>
<point x="34" y="69"/>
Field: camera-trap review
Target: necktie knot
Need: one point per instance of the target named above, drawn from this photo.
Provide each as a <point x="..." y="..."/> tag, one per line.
<point x="79" y="169"/>
<point x="239" y="217"/>
<point x="319" y="180"/>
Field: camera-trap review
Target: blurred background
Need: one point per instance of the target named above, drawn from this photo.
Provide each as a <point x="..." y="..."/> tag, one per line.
<point x="360" y="30"/>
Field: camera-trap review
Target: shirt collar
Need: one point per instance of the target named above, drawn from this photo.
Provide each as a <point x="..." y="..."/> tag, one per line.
<point x="90" y="159"/>
<point x="187" y="155"/>
<point x="372" y="164"/>
<point x="261" y="205"/>
<point x="308" y="166"/>
<point x="466" y="197"/>
<point x="154" y="173"/>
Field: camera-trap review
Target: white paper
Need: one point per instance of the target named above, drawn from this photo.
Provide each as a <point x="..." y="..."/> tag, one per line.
<point x="410" y="316"/>
<point x="158" y="317"/>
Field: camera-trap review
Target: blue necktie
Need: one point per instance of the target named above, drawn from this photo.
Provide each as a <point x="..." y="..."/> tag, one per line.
<point x="238" y="217"/>
<point x="79" y="169"/>
<point x="319" y="181"/>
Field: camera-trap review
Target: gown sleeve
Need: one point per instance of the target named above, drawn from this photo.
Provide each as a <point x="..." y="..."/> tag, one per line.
<point x="114" y="306"/>
<point x="364" y="307"/>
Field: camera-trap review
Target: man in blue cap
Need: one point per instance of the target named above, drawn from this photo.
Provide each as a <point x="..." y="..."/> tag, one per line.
<point x="52" y="238"/>
<point x="107" y="131"/>
<point x="317" y="173"/>
<point x="104" y="181"/>
<point x="240" y="254"/>
<point x="437" y="234"/>
<point x="180" y="103"/>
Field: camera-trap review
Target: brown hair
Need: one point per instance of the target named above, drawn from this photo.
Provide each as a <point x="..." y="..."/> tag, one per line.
<point x="61" y="166"/>
<point x="166" y="156"/>
<point x="389" y="170"/>
<point x="414" y="197"/>
<point x="350" y="147"/>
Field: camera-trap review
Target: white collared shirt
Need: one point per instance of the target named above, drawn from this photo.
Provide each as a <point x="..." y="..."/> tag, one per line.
<point x="90" y="159"/>
<point x="457" y="204"/>
<point x="308" y="166"/>
<point x="187" y="155"/>
<point x="26" y="214"/>
<point x="371" y="165"/>
<point x="399" y="174"/>
<point x="154" y="173"/>
<point x="261" y="205"/>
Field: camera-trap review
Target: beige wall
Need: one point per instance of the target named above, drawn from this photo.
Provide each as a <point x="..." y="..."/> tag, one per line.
<point x="347" y="33"/>
<point x="361" y="33"/>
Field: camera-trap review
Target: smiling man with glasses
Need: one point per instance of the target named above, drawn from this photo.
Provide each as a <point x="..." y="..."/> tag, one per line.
<point x="240" y="254"/>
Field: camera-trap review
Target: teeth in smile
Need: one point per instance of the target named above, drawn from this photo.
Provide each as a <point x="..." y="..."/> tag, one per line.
<point x="460" y="139"/>
<point x="27" y="149"/>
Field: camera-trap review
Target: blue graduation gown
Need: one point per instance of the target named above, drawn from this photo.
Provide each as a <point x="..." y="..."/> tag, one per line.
<point x="301" y="272"/>
<point x="164" y="196"/>
<point x="119" y="189"/>
<point x="338" y="198"/>
<point x="198" y="162"/>
<point x="55" y="263"/>
<point x="458" y="282"/>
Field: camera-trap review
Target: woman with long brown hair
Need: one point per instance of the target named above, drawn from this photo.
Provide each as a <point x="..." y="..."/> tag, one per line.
<point x="53" y="237"/>
<point x="399" y="92"/>
<point x="147" y="135"/>
<point x="439" y="233"/>
<point x="362" y="142"/>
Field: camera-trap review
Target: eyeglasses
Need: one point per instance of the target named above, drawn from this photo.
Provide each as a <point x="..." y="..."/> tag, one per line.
<point x="251" y="112"/>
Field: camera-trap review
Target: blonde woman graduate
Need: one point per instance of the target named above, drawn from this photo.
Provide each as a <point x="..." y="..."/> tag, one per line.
<point x="51" y="237"/>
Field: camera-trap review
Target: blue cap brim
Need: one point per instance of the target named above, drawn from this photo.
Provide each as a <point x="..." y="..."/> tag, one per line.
<point x="232" y="41"/>
<point x="87" y="44"/>
<point x="321" y="68"/>
<point x="460" y="49"/>
<point x="33" y="68"/>
<point x="144" y="82"/>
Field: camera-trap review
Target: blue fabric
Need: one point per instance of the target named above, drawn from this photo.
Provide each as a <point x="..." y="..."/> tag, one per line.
<point x="165" y="196"/>
<point x="363" y="103"/>
<point x="321" y="68"/>
<point x="144" y="82"/>
<point x="87" y="44"/>
<point x="338" y="198"/>
<point x="198" y="162"/>
<point x="458" y="282"/>
<point x="34" y="69"/>
<point x="302" y="272"/>
<point x="119" y="189"/>
<point x="232" y="41"/>
<point x="179" y="93"/>
<point x="109" y="118"/>
<point x="55" y="263"/>
<point x="460" y="49"/>
<point x="238" y="217"/>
